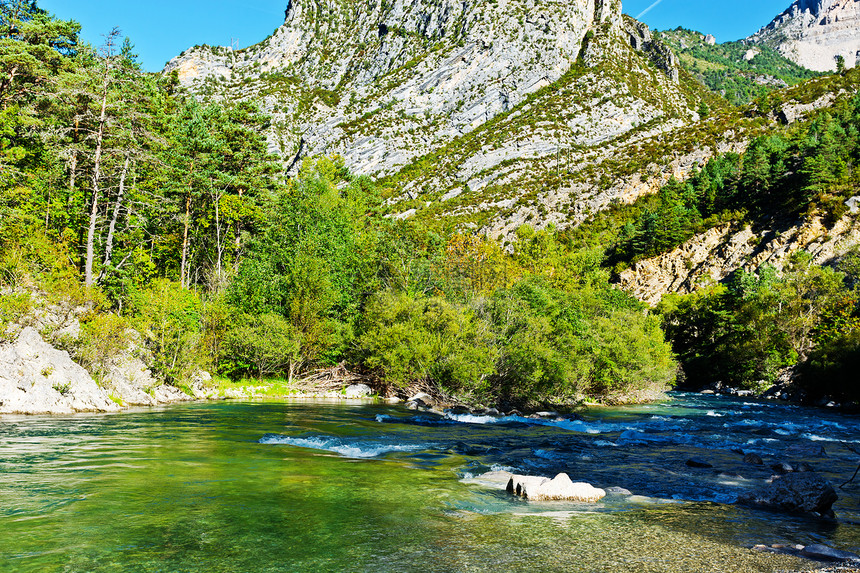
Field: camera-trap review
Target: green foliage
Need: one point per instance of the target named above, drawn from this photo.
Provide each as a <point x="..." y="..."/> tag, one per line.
<point x="103" y="337"/>
<point x="832" y="369"/>
<point x="169" y="317"/>
<point x="427" y="340"/>
<point x="315" y="260"/>
<point x="558" y="346"/>
<point x="260" y="345"/>
<point x="728" y="69"/>
<point x="746" y="333"/>
<point x="13" y="308"/>
<point x="810" y="170"/>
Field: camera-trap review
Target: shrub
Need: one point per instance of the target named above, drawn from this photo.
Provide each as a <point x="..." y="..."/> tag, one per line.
<point x="102" y="338"/>
<point x="169" y="317"/>
<point x="13" y="307"/>
<point x="267" y="344"/>
<point x="408" y="339"/>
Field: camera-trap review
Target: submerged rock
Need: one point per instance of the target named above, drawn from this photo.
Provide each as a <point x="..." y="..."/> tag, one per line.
<point x="825" y="553"/>
<point x="615" y="490"/>
<point x="805" y="450"/>
<point x="816" y="552"/>
<point x="795" y="492"/>
<point x="753" y="460"/>
<point x="694" y="463"/>
<point x="561" y="488"/>
<point x="782" y="468"/>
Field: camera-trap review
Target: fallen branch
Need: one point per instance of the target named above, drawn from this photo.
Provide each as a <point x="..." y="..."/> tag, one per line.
<point x="852" y="478"/>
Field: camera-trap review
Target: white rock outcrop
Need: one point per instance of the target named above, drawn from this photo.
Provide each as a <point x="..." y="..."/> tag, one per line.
<point x="36" y="378"/>
<point x="813" y="33"/>
<point x="560" y="488"/>
<point x="711" y="256"/>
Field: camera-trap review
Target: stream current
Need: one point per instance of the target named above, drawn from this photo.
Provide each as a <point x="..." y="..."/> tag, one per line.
<point x="311" y="486"/>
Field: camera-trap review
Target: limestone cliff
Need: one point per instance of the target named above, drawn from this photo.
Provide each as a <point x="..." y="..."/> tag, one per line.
<point x="814" y="33"/>
<point x="713" y="255"/>
<point x="384" y="81"/>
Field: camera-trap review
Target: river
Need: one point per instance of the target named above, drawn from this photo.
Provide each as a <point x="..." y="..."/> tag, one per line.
<point x="300" y="486"/>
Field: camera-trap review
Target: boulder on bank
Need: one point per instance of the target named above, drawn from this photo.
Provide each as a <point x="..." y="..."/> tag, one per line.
<point x="36" y="378"/>
<point x="561" y="488"/>
<point x="421" y="400"/>
<point x="357" y="391"/>
<point x="795" y="492"/>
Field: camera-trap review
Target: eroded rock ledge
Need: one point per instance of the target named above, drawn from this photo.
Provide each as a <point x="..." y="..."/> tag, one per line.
<point x="37" y="378"/>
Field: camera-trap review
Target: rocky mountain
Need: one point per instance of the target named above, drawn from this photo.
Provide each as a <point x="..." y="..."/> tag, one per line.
<point x="383" y="82"/>
<point x="508" y="100"/>
<point x="814" y="33"/>
<point x="495" y="113"/>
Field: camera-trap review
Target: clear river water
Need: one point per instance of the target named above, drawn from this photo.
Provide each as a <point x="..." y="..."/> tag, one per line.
<point x="311" y="486"/>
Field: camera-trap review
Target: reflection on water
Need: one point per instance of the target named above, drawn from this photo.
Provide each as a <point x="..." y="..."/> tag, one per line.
<point x="350" y="487"/>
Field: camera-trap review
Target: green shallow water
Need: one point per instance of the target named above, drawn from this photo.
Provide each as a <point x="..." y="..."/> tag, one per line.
<point x="189" y="488"/>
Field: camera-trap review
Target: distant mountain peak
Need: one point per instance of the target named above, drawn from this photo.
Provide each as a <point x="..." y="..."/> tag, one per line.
<point x="814" y="33"/>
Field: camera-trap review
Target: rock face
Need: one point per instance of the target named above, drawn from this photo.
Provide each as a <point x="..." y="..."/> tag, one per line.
<point x="716" y="253"/>
<point x="451" y="64"/>
<point x="36" y="378"/>
<point x="814" y="33"/>
<point x="795" y="492"/>
<point x="561" y="488"/>
<point x="489" y="110"/>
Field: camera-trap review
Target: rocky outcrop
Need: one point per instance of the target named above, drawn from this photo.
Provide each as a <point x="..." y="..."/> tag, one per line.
<point x="642" y="40"/>
<point x="795" y="493"/>
<point x="36" y="378"/>
<point x="560" y="488"/>
<point x="713" y="255"/>
<point x="434" y="70"/>
<point x="814" y="33"/>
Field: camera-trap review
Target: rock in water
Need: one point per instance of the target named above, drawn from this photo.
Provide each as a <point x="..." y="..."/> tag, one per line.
<point x="753" y="460"/>
<point x="825" y="553"/>
<point x="694" y="463"/>
<point x="561" y="488"/>
<point x="782" y="468"/>
<point x="517" y="484"/>
<point x="358" y="391"/>
<point x="795" y="492"/>
<point x="422" y="400"/>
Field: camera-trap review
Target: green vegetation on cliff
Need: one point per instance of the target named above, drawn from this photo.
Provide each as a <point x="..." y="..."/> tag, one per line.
<point x="736" y="70"/>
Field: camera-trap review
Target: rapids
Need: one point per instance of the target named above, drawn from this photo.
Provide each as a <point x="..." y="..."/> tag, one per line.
<point x="310" y="486"/>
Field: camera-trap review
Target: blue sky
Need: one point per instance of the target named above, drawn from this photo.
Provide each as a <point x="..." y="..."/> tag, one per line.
<point x="161" y="29"/>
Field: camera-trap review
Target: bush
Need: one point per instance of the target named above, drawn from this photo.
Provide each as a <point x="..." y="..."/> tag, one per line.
<point x="832" y="368"/>
<point x="267" y="344"/>
<point x="169" y="317"/>
<point x="559" y="346"/>
<point x="13" y="307"/>
<point x="630" y="356"/>
<point x="408" y="340"/>
<point x="102" y="338"/>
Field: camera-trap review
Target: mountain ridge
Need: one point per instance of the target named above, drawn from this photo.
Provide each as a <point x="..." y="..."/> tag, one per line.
<point x="814" y="33"/>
